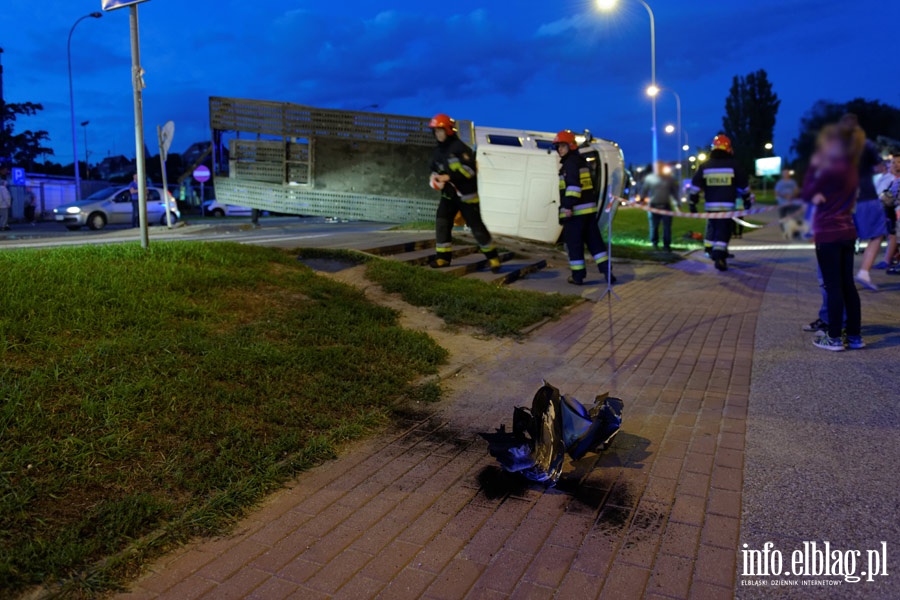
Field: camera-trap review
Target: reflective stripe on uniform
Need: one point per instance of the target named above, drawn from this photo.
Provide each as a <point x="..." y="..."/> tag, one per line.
<point x="573" y="191"/>
<point x="469" y="198"/>
<point x="584" y="175"/>
<point x="456" y="165"/>
<point x="576" y="265"/>
<point x="719" y="206"/>
<point x="718" y="177"/>
<point x="448" y="247"/>
<point x="720" y="245"/>
<point x="601" y="257"/>
<point x="584" y="209"/>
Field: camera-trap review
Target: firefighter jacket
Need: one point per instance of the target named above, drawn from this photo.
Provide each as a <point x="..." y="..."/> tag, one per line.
<point x="452" y="157"/>
<point x="722" y="181"/>
<point x="577" y="195"/>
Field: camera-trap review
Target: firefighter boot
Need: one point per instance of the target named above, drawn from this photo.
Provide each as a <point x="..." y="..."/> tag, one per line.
<point x="439" y="263"/>
<point x="608" y="275"/>
<point x="495" y="265"/>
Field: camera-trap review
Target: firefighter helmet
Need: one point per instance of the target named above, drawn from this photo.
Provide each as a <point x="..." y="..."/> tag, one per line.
<point x="566" y="137"/>
<point x="721" y="142"/>
<point x="442" y="121"/>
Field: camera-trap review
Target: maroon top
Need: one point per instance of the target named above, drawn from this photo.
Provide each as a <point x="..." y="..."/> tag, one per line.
<point x="833" y="219"/>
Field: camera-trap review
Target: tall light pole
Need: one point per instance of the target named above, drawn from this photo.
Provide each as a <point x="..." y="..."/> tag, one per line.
<point x="87" y="166"/>
<point x="95" y="15"/>
<point x="653" y="90"/>
<point x="680" y="132"/>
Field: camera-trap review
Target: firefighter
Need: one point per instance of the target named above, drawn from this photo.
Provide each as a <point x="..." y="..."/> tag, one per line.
<point x="578" y="209"/>
<point x="453" y="173"/>
<point x="722" y="181"/>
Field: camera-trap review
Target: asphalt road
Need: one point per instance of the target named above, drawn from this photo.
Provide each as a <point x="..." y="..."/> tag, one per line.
<point x="273" y="231"/>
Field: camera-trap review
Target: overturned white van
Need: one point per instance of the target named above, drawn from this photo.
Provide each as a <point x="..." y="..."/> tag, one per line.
<point x="518" y="179"/>
<point x="295" y="159"/>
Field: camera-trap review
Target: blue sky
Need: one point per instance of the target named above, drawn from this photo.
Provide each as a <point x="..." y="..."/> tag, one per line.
<point x="531" y="64"/>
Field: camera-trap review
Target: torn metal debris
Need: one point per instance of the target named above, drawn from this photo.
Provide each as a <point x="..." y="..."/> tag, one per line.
<point x="554" y="426"/>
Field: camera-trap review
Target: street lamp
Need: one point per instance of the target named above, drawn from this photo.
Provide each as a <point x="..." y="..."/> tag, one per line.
<point x="87" y="166"/>
<point x="669" y="128"/>
<point x="652" y="91"/>
<point x="95" y="15"/>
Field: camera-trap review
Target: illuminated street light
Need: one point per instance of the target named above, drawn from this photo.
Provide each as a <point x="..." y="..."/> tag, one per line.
<point x="702" y="156"/>
<point x="607" y="5"/>
<point x="768" y="145"/>
<point x="692" y="158"/>
<point x="685" y="147"/>
<point x="670" y="128"/>
<point x="95" y="15"/>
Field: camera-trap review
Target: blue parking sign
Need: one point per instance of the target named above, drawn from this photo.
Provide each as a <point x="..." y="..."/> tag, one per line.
<point x="114" y="4"/>
<point x="18" y="176"/>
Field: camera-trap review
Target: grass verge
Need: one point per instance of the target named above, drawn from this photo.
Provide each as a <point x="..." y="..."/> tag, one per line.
<point x="152" y="395"/>
<point x="495" y="310"/>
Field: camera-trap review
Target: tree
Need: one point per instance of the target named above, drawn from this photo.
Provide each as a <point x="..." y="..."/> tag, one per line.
<point x="23" y="148"/>
<point x="750" y="111"/>
<point x="877" y="119"/>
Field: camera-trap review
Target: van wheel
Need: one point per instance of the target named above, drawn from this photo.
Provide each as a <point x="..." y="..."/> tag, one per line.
<point x="162" y="219"/>
<point x="96" y="221"/>
<point x="218" y="213"/>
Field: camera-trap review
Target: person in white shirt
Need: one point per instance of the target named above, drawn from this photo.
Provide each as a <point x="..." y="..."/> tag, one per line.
<point x="887" y="184"/>
<point x="5" y="203"/>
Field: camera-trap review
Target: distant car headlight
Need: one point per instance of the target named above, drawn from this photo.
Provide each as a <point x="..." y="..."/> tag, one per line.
<point x="73" y="210"/>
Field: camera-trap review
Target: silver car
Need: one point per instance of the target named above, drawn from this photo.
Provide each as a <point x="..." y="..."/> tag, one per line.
<point x="112" y="206"/>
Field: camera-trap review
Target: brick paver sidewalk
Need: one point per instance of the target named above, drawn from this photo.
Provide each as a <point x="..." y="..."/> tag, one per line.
<point x="426" y="513"/>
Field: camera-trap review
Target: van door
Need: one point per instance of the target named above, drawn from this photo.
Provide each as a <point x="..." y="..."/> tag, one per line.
<point x="539" y="217"/>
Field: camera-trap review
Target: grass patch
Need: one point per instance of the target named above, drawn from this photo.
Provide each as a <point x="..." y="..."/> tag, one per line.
<point x="152" y="395"/>
<point x="493" y="309"/>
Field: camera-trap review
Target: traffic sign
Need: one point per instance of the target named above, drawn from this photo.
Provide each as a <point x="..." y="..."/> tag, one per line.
<point x="114" y="4"/>
<point x="201" y="173"/>
<point x="18" y="176"/>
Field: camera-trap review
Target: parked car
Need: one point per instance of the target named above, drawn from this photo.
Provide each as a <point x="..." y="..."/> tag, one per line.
<point x="214" y="208"/>
<point x="112" y="206"/>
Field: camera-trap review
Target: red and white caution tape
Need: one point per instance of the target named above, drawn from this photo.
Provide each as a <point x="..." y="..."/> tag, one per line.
<point x="729" y="214"/>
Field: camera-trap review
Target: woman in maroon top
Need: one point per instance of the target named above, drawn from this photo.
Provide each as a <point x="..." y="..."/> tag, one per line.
<point x="831" y="185"/>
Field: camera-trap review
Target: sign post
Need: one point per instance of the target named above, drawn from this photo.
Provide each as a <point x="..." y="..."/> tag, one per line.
<point x="137" y="83"/>
<point x="202" y="175"/>
<point x="164" y="135"/>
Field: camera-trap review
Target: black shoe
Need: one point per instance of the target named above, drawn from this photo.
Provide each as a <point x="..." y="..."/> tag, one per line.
<point x="818" y="326"/>
<point x="574" y="281"/>
<point x="721" y="265"/>
<point x="730" y="255"/>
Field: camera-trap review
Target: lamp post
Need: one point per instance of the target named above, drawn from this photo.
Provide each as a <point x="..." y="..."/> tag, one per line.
<point x="95" y="15"/>
<point x="653" y="90"/>
<point x="680" y="132"/>
<point x="87" y="166"/>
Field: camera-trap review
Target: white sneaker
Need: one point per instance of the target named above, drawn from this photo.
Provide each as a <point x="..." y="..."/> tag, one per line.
<point x="865" y="280"/>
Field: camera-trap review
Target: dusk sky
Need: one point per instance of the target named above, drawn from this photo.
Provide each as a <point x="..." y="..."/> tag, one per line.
<point x="528" y="64"/>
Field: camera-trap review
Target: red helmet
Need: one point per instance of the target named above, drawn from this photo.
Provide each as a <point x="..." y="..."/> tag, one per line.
<point x="566" y="137"/>
<point x="444" y="122"/>
<point x="721" y="142"/>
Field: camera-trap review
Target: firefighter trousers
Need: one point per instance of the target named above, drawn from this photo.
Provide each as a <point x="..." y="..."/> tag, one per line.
<point x="579" y="231"/>
<point x="471" y="212"/>
<point x="718" y="234"/>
